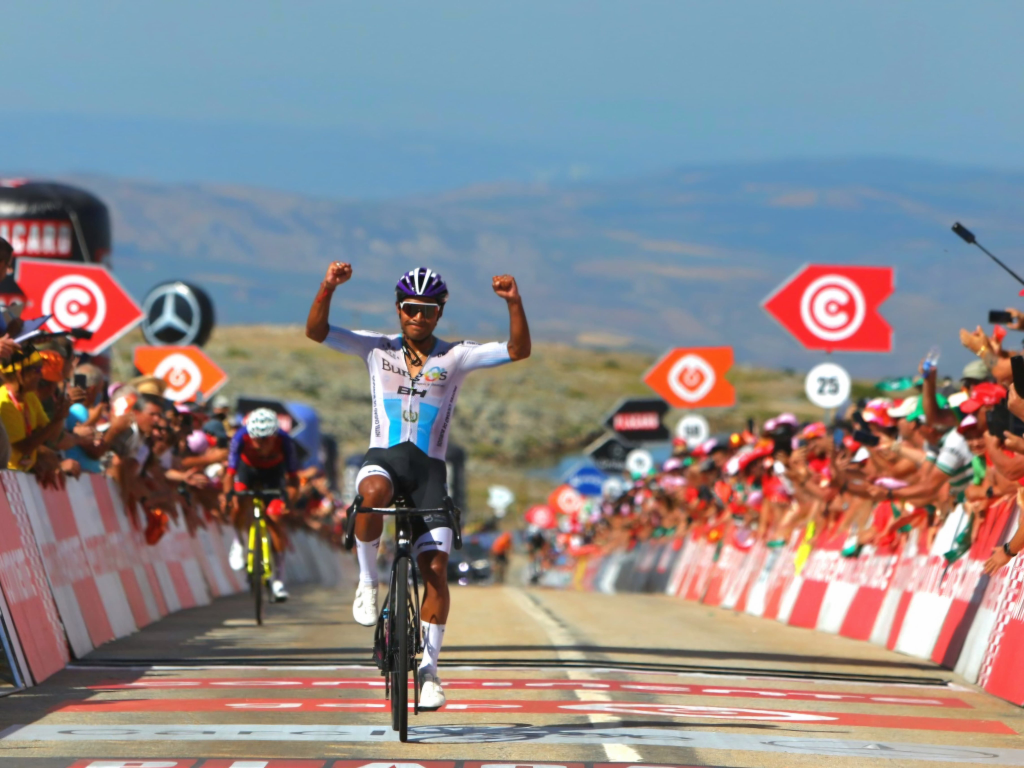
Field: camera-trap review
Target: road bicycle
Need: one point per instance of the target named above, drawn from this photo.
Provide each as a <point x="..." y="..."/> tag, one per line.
<point x="397" y="640"/>
<point x="259" y="563"/>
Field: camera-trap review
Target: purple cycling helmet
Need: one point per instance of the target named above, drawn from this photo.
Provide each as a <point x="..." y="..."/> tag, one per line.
<point x="424" y="283"/>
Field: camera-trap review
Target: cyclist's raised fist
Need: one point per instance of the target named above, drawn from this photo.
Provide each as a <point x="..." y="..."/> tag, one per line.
<point x="337" y="273"/>
<point x="505" y="286"/>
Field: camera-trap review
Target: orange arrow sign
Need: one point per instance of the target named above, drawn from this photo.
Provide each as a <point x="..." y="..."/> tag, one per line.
<point x="187" y="371"/>
<point x="694" y="377"/>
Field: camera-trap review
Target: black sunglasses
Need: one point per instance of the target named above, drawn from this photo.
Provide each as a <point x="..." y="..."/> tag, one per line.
<point x="414" y="308"/>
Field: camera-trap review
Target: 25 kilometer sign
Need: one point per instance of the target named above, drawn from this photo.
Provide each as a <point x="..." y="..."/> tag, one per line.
<point x="188" y="372"/>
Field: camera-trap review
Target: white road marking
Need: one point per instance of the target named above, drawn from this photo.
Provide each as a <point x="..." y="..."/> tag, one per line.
<point x="560" y="636"/>
<point x="564" y="735"/>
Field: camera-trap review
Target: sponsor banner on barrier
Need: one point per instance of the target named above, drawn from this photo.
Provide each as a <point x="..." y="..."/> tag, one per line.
<point x="109" y="559"/>
<point x="39" y="634"/>
<point x="755" y="565"/>
<point x="140" y="588"/>
<point x="999" y="672"/>
<point x="67" y="568"/>
<point x="76" y="570"/>
<point x="779" y="579"/>
<point x="926" y="621"/>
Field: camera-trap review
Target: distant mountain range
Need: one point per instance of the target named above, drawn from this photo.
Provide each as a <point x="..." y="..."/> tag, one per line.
<point x="680" y="258"/>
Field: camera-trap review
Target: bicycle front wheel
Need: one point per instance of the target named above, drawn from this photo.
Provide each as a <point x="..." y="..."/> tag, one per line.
<point x="399" y="600"/>
<point x="256" y="574"/>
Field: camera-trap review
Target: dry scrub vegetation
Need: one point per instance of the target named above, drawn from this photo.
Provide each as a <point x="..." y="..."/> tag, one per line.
<point x="511" y="420"/>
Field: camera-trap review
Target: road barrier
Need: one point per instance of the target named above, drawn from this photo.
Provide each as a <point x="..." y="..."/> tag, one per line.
<point x="911" y="600"/>
<point x="75" y="573"/>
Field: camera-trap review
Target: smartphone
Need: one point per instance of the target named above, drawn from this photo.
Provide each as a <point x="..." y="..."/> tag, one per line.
<point x="998" y="418"/>
<point x="999" y="317"/>
<point x="1017" y="366"/>
<point x="870" y="439"/>
<point x="80" y="381"/>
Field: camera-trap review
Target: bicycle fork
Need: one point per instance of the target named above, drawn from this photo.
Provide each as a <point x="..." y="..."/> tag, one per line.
<point x="259" y="528"/>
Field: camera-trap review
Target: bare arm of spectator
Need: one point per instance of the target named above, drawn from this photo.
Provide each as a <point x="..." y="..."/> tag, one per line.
<point x="935" y="415"/>
<point x="51" y="431"/>
<point x="8" y="347"/>
<point x="1010" y="466"/>
<point x="926" y="489"/>
<point x="999" y="556"/>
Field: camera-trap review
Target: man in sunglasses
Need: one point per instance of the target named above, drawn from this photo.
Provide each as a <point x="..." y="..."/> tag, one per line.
<point x="414" y="381"/>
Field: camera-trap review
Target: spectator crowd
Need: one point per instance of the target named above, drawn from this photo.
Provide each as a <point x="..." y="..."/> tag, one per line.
<point x="61" y="417"/>
<point x="928" y="454"/>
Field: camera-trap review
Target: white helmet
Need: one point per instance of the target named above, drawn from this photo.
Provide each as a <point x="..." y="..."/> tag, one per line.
<point x="261" y="423"/>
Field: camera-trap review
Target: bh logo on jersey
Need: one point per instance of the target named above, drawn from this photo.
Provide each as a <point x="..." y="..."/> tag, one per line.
<point x="435" y="374"/>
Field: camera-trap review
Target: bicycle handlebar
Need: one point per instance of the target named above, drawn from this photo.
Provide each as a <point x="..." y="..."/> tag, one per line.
<point x="400" y="511"/>
<point x="270" y="494"/>
<point x="453" y="513"/>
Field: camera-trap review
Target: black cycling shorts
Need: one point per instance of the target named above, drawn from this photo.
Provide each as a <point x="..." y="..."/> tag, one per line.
<point x="250" y="478"/>
<point x="416" y="476"/>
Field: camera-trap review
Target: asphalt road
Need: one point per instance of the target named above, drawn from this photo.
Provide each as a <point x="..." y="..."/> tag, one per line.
<point x="531" y="676"/>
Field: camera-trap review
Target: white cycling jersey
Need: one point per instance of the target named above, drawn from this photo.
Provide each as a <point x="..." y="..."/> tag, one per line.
<point x="417" y="410"/>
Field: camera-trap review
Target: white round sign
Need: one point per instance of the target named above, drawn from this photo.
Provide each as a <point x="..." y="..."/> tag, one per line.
<point x="639" y="462"/>
<point x="693" y="429"/>
<point x="499" y="498"/>
<point x="827" y="385"/>
<point x="613" y="487"/>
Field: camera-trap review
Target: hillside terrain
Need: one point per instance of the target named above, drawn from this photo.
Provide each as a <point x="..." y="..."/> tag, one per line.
<point x="511" y="420"/>
<point x="682" y="257"/>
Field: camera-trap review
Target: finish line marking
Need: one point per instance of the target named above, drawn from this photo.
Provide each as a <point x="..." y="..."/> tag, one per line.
<point x="526" y="668"/>
<point x="659" y="737"/>
<point x="657" y="689"/>
<point x="616" y="709"/>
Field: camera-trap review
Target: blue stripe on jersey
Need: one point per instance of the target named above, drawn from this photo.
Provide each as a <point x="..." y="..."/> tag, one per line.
<point x="428" y="415"/>
<point x="393" y="409"/>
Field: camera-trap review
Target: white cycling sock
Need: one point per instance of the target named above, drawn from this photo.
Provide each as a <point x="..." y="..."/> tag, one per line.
<point x="433" y="636"/>
<point x="278" y="566"/>
<point x="366" y="551"/>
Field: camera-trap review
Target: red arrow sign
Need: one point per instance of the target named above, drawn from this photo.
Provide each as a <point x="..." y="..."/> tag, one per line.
<point x="835" y="308"/>
<point x="77" y="295"/>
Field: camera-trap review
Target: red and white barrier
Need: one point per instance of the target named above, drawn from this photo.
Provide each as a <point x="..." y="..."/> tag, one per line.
<point x="39" y="635"/>
<point x="912" y="601"/>
<point x="75" y="571"/>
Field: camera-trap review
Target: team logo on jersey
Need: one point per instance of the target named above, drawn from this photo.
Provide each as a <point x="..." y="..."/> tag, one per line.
<point x="435" y="374"/>
<point x="411" y="416"/>
<point x="388" y="368"/>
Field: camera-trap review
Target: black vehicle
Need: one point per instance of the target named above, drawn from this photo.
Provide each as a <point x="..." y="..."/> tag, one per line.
<point x="470" y="565"/>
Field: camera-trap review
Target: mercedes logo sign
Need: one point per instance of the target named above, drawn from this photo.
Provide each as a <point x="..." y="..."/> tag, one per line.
<point x="177" y="313"/>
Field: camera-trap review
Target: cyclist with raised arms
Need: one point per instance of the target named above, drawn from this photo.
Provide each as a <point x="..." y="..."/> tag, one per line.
<point x="414" y="381"/>
<point x="261" y="458"/>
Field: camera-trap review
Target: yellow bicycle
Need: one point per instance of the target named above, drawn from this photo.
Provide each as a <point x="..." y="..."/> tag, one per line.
<point x="259" y="563"/>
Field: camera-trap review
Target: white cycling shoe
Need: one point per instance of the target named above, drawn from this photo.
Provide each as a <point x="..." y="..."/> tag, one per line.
<point x="364" y="608"/>
<point x="278" y="591"/>
<point x="431" y="693"/>
<point x="236" y="556"/>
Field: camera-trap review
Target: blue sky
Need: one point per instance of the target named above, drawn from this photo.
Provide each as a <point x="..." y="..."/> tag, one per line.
<point x="374" y="99"/>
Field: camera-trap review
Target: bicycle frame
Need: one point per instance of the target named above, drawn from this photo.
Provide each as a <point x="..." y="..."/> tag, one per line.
<point x="393" y="663"/>
<point x="258" y="528"/>
<point x="259" y="563"/>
